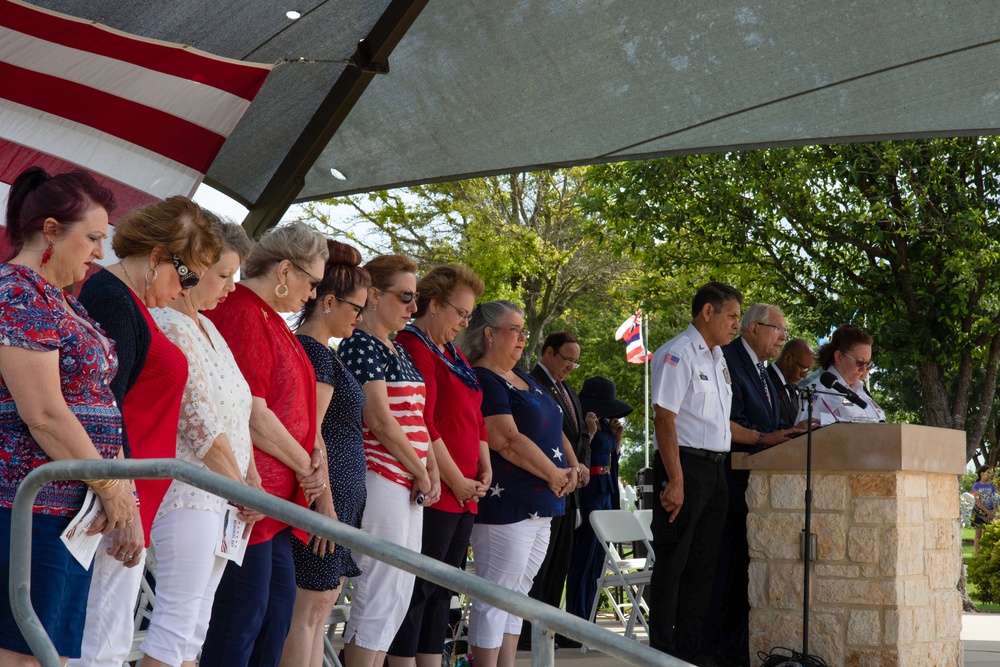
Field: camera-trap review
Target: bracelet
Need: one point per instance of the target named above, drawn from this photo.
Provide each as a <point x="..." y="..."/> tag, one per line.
<point x="760" y="438"/>
<point x="97" y="486"/>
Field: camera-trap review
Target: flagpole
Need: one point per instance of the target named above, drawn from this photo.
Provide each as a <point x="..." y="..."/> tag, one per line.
<point x="644" y="323"/>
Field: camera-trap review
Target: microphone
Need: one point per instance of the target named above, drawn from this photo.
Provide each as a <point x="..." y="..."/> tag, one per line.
<point x="829" y="380"/>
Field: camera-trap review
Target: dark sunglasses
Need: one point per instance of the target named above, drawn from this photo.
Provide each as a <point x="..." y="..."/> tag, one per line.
<point x="356" y="307"/>
<point x="406" y="296"/>
<point x="188" y="277"/>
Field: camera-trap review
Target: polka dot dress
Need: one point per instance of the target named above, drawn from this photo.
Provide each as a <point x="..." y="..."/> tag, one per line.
<point x="341" y="431"/>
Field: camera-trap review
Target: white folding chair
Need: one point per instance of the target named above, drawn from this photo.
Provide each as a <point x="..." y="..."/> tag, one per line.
<point x="333" y="641"/>
<point x="630" y="574"/>
<point x="645" y="518"/>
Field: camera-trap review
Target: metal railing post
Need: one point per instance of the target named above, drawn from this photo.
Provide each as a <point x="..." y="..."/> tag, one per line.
<point x="546" y="619"/>
<point x="543" y="645"/>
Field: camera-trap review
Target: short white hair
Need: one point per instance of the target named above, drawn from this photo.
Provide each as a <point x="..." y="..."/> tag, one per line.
<point x="759" y="312"/>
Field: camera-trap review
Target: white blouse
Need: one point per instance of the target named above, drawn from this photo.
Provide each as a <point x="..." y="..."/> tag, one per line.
<point x="831" y="409"/>
<point x="216" y="400"/>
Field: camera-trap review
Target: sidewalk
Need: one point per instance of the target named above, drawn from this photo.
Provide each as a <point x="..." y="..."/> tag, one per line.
<point x="980" y="638"/>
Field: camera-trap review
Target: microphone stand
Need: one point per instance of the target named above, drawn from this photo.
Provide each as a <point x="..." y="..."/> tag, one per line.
<point x="808" y="393"/>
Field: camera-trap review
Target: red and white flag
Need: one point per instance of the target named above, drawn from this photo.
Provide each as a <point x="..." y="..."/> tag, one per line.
<point x="148" y="115"/>
<point x="631" y="332"/>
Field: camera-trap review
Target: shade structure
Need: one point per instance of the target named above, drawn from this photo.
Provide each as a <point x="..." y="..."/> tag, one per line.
<point x="478" y="87"/>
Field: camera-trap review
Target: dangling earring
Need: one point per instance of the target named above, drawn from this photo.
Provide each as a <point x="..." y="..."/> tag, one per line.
<point x="150" y="281"/>
<point x="47" y="254"/>
<point x="281" y="291"/>
<point x="490" y="341"/>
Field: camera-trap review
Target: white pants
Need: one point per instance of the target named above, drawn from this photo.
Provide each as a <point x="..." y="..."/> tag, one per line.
<point x="508" y="555"/>
<point x="187" y="574"/>
<point x="114" y="589"/>
<point x="382" y="592"/>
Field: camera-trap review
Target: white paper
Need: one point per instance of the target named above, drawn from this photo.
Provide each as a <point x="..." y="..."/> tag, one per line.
<point x="75" y="537"/>
<point x="232" y="544"/>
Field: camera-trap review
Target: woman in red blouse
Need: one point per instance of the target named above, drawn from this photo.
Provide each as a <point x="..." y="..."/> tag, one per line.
<point x="254" y="602"/>
<point x="162" y="249"/>
<point x="458" y="436"/>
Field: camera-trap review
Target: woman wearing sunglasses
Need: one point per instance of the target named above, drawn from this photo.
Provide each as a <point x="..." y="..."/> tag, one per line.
<point x="162" y="250"/>
<point x="254" y="602"/>
<point x="213" y="433"/>
<point x="848" y="355"/>
<point x="402" y="476"/>
<point x="340" y="402"/>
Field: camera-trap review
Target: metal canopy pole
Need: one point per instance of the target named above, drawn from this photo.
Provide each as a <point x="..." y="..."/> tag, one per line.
<point x="370" y="58"/>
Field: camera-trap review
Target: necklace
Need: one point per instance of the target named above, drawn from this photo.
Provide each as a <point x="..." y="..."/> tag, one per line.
<point x="129" y="279"/>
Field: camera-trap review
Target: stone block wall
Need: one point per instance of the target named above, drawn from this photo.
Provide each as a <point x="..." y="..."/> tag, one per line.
<point x="883" y="591"/>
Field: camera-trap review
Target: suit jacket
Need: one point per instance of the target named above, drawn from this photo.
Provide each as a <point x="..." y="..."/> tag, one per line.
<point x="751" y="408"/>
<point x="575" y="430"/>
<point x="789" y="397"/>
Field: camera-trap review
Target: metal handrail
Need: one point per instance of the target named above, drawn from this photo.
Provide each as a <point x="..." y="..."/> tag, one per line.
<point x="545" y="620"/>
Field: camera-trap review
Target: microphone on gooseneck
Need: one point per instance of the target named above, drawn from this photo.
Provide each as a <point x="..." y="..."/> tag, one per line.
<point x="829" y="380"/>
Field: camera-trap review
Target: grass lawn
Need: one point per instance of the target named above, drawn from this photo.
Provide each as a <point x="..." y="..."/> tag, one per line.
<point x="968" y="534"/>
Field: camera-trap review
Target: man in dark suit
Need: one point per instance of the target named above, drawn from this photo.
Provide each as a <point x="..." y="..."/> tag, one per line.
<point x="560" y="355"/>
<point x="793" y="364"/>
<point x="755" y="423"/>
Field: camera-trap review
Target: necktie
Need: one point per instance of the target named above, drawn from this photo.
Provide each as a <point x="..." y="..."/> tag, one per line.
<point x="567" y="401"/>
<point x="763" y="379"/>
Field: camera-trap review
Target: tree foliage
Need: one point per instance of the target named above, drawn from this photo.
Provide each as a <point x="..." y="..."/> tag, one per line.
<point x="901" y="238"/>
<point x="524" y="234"/>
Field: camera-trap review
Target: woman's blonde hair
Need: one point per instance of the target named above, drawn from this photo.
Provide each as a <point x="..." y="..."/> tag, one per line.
<point x="177" y="225"/>
<point x="295" y="242"/>
<point x="384" y="268"/>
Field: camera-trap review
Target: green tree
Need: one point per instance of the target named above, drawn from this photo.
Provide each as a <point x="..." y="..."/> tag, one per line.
<point x="901" y="238"/>
<point x="524" y="234"/>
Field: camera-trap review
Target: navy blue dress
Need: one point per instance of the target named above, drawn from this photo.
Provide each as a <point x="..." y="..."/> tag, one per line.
<point x="516" y="494"/>
<point x="587" y="555"/>
<point x="341" y="431"/>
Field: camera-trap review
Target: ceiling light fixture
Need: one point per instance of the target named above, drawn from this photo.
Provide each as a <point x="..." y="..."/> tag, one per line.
<point x="339" y="175"/>
<point x="292" y="14"/>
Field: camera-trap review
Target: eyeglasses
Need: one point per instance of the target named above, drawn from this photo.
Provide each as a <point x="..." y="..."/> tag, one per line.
<point x="858" y="362"/>
<point x="805" y="369"/>
<point x="575" y="364"/>
<point x="781" y="330"/>
<point x="356" y="307"/>
<point x="517" y="331"/>
<point x="462" y="313"/>
<point x="188" y="277"/>
<point x="313" y="280"/>
<point x="406" y="296"/>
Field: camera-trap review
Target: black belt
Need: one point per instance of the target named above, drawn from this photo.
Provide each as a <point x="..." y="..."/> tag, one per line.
<point x="714" y="457"/>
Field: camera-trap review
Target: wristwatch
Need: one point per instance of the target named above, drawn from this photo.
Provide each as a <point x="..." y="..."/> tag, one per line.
<point x="760" y="438"/>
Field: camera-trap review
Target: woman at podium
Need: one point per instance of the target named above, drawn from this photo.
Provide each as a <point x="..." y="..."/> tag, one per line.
<point x="848" y="356"/>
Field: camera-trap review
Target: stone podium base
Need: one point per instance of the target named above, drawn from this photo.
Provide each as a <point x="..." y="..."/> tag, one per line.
<point x="884" y="588"/>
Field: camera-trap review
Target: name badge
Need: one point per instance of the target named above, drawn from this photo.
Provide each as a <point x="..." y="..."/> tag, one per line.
<point x="702" y="376"/>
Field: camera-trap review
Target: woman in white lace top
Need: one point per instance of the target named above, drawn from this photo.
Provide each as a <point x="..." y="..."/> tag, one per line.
<point x="214" y="432"/>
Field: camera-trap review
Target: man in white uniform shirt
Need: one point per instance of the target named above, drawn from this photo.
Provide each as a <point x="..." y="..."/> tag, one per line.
<point x="692" y="398"/>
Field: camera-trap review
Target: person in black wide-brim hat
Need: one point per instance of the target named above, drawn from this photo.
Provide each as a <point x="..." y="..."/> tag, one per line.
<point x="598" y="396"/>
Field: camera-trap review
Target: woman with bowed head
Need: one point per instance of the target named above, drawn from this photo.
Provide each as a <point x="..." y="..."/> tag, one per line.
<point x="458" y="437"/>
<point x="253" y="603"/>
<point x="213" y="433"/>
<point x="848" y="357"/>
<point x="598" y="397"/>
<point x="530" y="474"/>
<point x="55" y="402"/>
<point x="340" y="404"/>
<point x="396" y="448"/>
<point x="162" y="249"/>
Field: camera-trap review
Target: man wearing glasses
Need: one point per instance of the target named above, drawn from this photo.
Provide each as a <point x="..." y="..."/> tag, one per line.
<point x="561" y="355"/>
<point x="793" y="365"/>
<point x="756" y="422"/>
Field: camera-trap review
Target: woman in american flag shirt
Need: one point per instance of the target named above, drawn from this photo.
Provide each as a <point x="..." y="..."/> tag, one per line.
<point x="402" y="476"/>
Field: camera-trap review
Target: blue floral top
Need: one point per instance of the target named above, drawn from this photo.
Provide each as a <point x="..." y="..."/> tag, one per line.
<point x="516" y="494"/>
<point x="32" y="316"/>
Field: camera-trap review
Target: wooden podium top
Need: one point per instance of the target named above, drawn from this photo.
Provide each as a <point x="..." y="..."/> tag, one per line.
<point x="847" y="446"/>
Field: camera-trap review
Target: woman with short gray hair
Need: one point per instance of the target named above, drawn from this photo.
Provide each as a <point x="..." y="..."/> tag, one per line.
<point x="253" y="604"/>
<point x="530" y="474"/>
